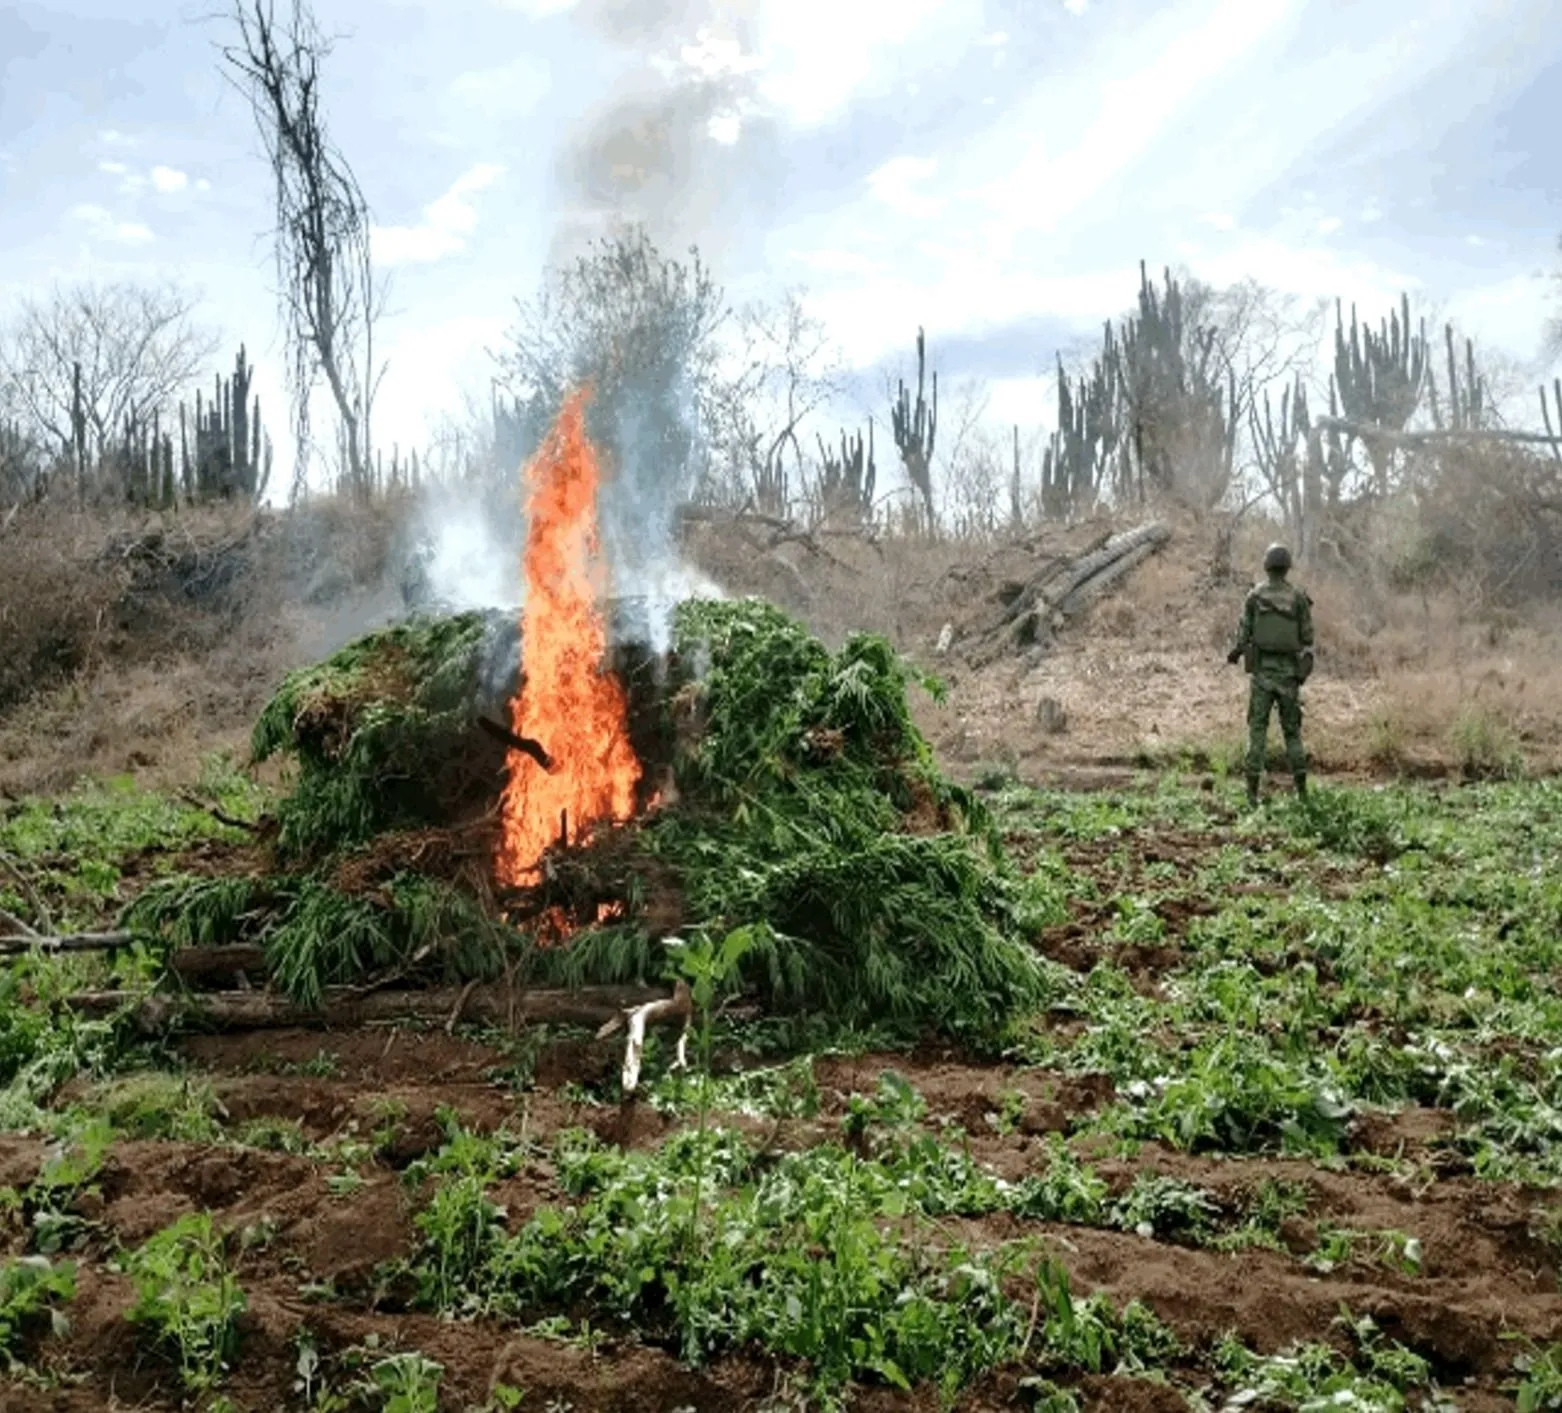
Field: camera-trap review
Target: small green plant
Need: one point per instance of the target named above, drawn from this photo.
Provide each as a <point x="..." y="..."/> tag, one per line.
<point x="30" y="1288"/>
<point x="1485" y="745"/>
<point x="1167" y="1208"/>
<point x="404" y="1383"/>
<point x="1541" y="1385"/>
<point x="1012" y="1104"/>
<point x="68" y="1173"/>
<point x="188" y="1297"/>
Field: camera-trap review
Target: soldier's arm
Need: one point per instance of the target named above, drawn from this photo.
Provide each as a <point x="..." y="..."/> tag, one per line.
<point x="1244" y="630"/>
<point x="1304" y="619"/>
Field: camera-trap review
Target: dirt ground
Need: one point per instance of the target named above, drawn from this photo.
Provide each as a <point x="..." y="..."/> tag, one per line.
<point x="1140" y="680"/>
<point x="1483" y="1277"/>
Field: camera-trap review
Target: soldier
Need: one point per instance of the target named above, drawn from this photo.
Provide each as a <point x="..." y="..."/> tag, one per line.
<point x="1275" y="644"/>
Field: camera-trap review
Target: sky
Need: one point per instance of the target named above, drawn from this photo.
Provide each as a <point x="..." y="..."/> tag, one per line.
<point x="992" y="170"/>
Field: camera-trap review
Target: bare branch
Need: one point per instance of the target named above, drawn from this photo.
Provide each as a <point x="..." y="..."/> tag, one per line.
<point x="325" y="277"/>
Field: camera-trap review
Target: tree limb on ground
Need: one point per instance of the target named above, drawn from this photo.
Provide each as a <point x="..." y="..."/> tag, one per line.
<point x="680" y="1006"/>
<point x="221" y="816"/>
<point x="265" y="1010"/>
<point x="1060" y="589"/>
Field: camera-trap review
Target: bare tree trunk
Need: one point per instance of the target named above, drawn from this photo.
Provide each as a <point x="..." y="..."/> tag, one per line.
<point x="325" y="275"/>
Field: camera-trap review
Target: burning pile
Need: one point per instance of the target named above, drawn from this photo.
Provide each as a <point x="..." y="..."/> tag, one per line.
<point x="566" y="698"/>
<point x="808" y="810"/>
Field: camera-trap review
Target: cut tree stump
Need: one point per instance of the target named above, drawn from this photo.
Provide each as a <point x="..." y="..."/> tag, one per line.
<point x="345" y="1007"/>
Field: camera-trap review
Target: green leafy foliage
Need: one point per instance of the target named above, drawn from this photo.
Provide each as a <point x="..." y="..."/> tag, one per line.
<point x="796" y="793"/>
<point x="365" y="725"/>
<point x="32" y="1288"/>
<point x="187" y="1296"/>
<point x="316" y="936"/>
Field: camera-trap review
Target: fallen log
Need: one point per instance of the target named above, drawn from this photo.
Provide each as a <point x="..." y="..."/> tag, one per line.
<point x="70" y="942"/>
<point x="190" y="963"/>
<point x="344" y="1007"/>
<point x="219" y="963"/>
<point x="1026" y="621"/>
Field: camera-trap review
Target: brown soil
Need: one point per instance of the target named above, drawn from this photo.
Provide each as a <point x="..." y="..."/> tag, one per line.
<point x="1484" y="1275"/>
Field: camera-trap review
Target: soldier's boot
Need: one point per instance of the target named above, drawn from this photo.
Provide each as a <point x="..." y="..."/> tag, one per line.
<point x="1300" y="777"/>
<point x="1252" y="792"/>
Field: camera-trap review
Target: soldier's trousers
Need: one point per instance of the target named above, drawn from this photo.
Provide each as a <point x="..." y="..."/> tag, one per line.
<point x="1264" y="696"/>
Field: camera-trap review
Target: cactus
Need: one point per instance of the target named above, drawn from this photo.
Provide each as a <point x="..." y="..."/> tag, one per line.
<point x="846" y="481"/>
<point x="1467" y="400"/>
<point x="1280" y="450"/>
<point x="915" y="428"/>
<point x="1553" y="431"/>
<point x="1082" y="458"/>
<point x="232" y="449"/>
<point x="1177" y="421"/>
<point x="1016" y="506"/>
<point x="1380" y="378"/>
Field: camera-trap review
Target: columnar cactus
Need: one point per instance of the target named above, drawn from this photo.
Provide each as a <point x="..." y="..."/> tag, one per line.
<point x="1176" y="414"/>
<point x="846" y="480"/>
<point x="915" y="428"/>
<point x="1381" y="378"/>
<point x="1467" y="403"/>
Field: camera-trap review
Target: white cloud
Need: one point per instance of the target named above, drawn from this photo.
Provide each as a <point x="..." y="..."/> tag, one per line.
<point x="1076" y="7"/>
<point x="714" y="57"/>
<point x="538" y="9"/>
<point x="1329" y="225"/>
<point x="446" y="223"/>
<point x="821" y="55"/>
<point x="112" y="137"/>
<point x="167" y="179"/>
<point x="104" y="226"/>
<point x="510" y="90"/>
<point x="1511" y="313"/>
<point x="896" y="184"/>
<point x="1220" y="220"/>
<point x="1091" y="128"/>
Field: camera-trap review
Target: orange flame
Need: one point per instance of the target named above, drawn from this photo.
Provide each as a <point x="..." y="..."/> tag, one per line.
<point x="569" y="701"/>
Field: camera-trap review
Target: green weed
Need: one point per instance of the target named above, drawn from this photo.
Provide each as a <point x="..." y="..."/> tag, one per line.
<point x="32" y="1288"/>
<point x="188" y="1298"/>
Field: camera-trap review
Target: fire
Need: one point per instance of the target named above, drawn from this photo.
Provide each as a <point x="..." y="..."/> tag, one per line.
<point x="569" y="700"/>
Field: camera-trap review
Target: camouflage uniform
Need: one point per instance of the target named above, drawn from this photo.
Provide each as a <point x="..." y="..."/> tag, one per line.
<point x="1275" y="637"/>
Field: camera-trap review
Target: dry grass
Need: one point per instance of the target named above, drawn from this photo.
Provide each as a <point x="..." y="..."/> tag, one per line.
<point x="135" y="643"/>
<point x="1407" y="681"/>
<point x="127" y="671"/>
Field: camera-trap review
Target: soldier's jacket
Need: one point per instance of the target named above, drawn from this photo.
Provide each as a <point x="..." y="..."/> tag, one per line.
<point x="1276" y="624"/>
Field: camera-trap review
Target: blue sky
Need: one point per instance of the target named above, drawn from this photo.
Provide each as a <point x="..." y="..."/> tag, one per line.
<point x="991" y="169"/>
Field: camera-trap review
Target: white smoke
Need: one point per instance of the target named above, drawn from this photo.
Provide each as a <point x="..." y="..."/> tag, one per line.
<point x="468" y="564"/>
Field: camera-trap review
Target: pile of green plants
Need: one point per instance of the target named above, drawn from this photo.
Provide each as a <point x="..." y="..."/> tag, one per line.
<point x="374" y="731"/>
<point x="809" y="814"/>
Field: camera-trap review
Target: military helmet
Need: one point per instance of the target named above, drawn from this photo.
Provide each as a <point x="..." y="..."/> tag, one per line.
<point x="1277" y="557"/>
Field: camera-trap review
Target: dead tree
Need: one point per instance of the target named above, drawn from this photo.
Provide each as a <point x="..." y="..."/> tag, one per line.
<point x="915" y="428"/>
<point x="325" y="279"/>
